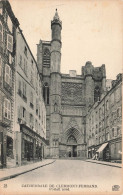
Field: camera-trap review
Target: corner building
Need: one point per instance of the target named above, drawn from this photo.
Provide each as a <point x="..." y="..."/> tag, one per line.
<point x="8" y="26"/>
<point x="67" y="97"/>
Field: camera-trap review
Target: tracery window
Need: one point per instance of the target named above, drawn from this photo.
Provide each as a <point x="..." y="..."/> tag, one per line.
<point x="46" y="57"/>
<point x="96" y="94"/>
<point x="46" y="93"/>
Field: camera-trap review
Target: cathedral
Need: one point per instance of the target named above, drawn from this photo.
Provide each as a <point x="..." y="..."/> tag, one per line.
<point x="67" y="97"/>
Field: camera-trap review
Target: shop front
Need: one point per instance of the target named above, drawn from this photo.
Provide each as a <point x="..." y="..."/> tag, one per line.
<point x="103" y="152"/>
<point x="31" y="144"/>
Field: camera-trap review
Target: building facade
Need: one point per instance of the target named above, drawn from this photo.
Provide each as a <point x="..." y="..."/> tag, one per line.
<point x="30" y="111"/>
<point x="104" y="124"/>
<point x="77" y="115"/>
<point x="22" y="108"/>
<point x="69" y="98"/>
<point x="8" y="25"/>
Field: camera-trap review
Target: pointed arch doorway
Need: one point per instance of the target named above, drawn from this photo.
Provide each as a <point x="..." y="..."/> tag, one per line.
<point x="71" y="146"/>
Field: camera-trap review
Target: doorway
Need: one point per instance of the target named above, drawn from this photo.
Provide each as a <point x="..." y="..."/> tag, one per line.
<point x="72" y="150"/>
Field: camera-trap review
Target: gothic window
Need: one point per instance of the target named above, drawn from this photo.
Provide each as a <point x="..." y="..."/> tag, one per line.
<point x="46" y="58"/>
<point x="46" y="93"/>
<point x="55" y="107"/>
<point x="96" y="94"/>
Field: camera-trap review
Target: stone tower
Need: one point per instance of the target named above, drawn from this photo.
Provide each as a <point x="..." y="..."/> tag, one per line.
<point x="55" y="86"/>
<point x="68" y="97"/>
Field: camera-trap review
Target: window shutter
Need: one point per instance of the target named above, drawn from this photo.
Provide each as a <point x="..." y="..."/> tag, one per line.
<point x="10" y="43"/>
<point x="10" y="78"/>
<point x="9" y="109"/>
<point x="10" y="58"/>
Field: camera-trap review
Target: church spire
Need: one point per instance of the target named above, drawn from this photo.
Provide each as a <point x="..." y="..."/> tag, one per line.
<point x="56" y="17"/>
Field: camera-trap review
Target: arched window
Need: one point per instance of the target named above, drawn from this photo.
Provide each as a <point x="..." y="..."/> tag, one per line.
<point x="46" y="93"/>
<point x="46" y="57"/>
<point x="96" y="94"/>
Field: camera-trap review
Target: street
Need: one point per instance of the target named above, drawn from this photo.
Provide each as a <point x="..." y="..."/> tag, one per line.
<point x="80" y="175"/>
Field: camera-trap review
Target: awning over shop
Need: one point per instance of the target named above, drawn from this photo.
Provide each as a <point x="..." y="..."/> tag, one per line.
<point x="102" y="147"/>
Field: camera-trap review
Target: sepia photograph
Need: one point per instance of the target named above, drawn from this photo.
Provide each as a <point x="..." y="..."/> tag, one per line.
<point x="61" y="69"/>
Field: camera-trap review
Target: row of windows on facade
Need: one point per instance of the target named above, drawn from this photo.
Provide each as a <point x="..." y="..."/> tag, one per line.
<point x="102" y="110"/>
<point x="24" y="64"/>
<point x="23" y="95"/>
<point x="22" y="89"/>
<point x="23" y="114"/>
<point x="7" y="114"/>
<point x="114" y="133"/>
<point x="100" y="129"/>
<point x="114" y="115"/>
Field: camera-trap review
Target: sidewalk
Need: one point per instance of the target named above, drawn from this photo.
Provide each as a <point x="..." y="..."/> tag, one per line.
<point x="13" y="172"/>
<point x="119" y="165"/>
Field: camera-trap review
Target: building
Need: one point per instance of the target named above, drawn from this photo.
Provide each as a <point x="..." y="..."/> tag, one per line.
<point x="22" y="108"/>
<point x="68" y="98"/>
<point x="30" y="111"/>
<point x="104" y="124"/>
<point x="8" y="25"/>
<point x="78" y="115"/>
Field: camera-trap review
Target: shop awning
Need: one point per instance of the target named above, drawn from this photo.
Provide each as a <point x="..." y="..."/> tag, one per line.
<point x="102" y="147"/>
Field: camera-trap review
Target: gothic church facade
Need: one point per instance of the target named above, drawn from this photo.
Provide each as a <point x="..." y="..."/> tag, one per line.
<point x="67" y="97"/>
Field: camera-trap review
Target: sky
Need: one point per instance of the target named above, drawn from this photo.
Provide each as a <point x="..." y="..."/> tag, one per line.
<point x="92" y="30"/>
